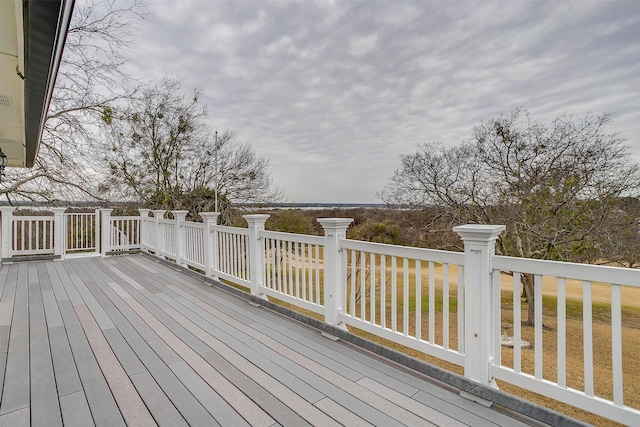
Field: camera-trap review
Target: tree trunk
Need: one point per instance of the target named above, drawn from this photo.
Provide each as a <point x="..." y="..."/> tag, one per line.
<point x="527" y="284"/>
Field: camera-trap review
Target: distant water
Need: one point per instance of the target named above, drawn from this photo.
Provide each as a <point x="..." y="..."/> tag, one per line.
<point x="303" y="206"/>
<point x="318" y="206"/>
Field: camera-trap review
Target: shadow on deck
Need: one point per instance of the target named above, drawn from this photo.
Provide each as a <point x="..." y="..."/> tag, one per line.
<point x="131" y="341"/>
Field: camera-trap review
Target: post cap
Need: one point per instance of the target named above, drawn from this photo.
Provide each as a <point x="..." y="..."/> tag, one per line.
<point x="335" y="223"/>
<point x="479" y="232"/>
<point x="256" y="218"/>
<point x="209" y="216"/>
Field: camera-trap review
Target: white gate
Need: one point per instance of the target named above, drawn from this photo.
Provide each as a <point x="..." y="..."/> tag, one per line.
<point x="82" y="232"/>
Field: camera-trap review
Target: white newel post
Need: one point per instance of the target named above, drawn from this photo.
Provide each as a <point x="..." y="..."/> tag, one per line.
<point x="256" y="253"/>
<point x="59" y="239"/>
<point x="179" y="217"/>
<point x="6" y="249"/>
<point x="210" y="243"/>
<point x="335" y="229"/>
<point x="479" y="248"/>
<point x="96" y="230"/>
<point x="144" y="213"/>
<point x="158" y="214"/>
<point x="106" y="232"/>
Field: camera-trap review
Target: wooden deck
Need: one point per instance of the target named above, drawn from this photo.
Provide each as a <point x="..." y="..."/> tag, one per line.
<point x="129" y="341"/>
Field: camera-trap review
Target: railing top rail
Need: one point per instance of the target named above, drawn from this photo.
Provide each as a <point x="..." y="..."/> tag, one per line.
<point x="34" y="218"/>
<point x="32" y="212"/>
<point x="193" y="224"/>
<point x="569" y="270"/>
<point x="290" y="237"/>
<point x="127" y="218"/>
<point x="405" y="251"/>
<point x="232" y="230"/>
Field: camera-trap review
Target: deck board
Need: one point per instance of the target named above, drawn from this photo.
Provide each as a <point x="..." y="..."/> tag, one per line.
<point x="237" y="352"/>
<point x="238" y="311"/>
<point x="129" y="401"/>
<point x="15" y="392"/>
<point x="100" y="398"/>
<point x="45" y="406"/>
<point x="157" y="402"/>
<point x="4" y="272"/>
<point x="7" y="299"/>
<point x="263" y="396"/>
<point x="155" y="355"/>
<point x="67" y="377"/>
<point x="262" y="361"/>
<point x="128" y="341"/>
<point x="75" y="410"/>
<point x="381" y="372"/>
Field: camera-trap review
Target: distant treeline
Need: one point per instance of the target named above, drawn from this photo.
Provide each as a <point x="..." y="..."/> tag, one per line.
<point x="303" y="206"/>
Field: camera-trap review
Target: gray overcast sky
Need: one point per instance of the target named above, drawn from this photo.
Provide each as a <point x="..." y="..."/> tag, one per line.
<point x="332" y="92"/>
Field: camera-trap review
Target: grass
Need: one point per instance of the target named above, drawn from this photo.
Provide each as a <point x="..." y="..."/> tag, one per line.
<point x="601" y="312"/>
<point x="574" y="358"/>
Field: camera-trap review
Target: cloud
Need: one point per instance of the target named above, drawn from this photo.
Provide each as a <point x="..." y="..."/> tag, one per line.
<point x="334" y="92"/>
<point x="361" y="45"/>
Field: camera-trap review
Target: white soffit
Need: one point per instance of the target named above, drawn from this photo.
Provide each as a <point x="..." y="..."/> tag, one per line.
<point x="12" y="134"/>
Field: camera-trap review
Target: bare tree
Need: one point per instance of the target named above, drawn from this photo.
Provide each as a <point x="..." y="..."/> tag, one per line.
<point x="554" y="187"/>
<point x="148" y="142"/>
<point x="619" y="238"/>
<point x="90" y="78"/>
<point x="242" y="175"/>
<point x="161" y="153"/>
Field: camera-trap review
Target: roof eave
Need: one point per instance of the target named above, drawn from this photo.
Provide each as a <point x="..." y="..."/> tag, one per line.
<point x="45" y="29"/>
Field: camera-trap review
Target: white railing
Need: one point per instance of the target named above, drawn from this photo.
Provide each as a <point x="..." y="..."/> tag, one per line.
<point x="167" y="238"/>
<point x="384" y="295"/>
<point x="453" y="306"/>
<point x="553" y="334"/>
<point x="120" y="233"/>
<point x="85" y="233"/>
<point x="148" y="233"/>
<point x="125" y="233"/>
<point x="193" y="235"/>
<point x="293" y="267"/>
<point x="32" y="235"/>
<point x="232" y="254"/>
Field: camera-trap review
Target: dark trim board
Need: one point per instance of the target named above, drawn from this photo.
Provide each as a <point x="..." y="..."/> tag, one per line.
<point x="27" y="258"/>
<point x="132" y="340"/>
